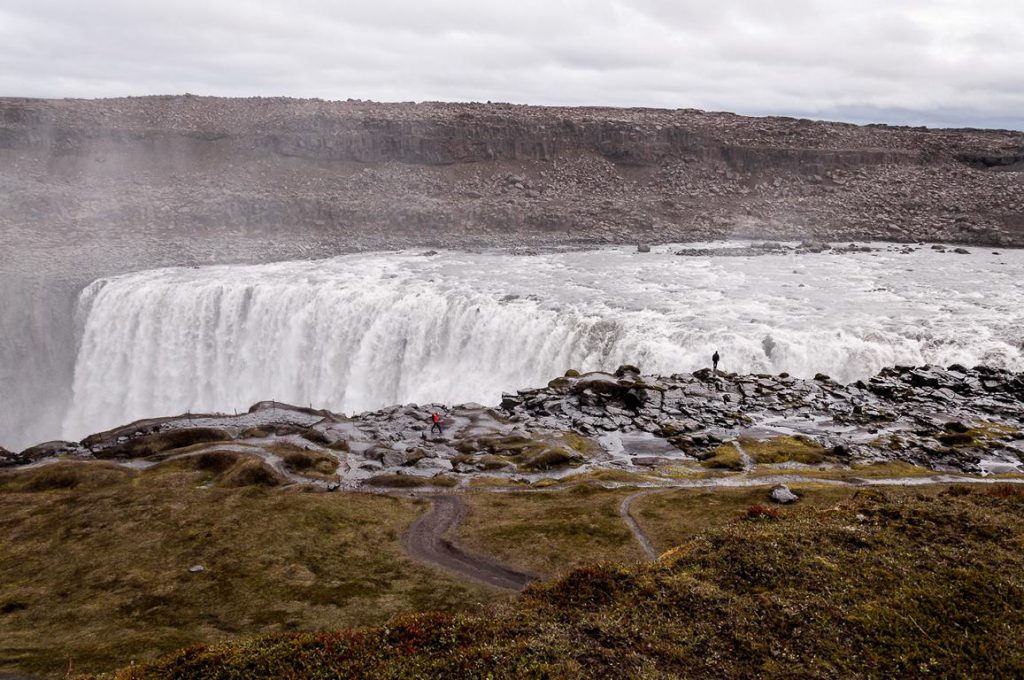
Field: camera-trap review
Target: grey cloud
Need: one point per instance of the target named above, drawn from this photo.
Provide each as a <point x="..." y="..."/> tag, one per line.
<point x="950" y="62"/>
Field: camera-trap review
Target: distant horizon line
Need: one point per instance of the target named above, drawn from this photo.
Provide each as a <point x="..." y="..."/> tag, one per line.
<point x="906" y="120"/>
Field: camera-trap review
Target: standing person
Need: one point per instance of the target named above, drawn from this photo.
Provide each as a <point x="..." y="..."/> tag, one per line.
<point x="714" y="361"/>
<point x="436" y="419"/>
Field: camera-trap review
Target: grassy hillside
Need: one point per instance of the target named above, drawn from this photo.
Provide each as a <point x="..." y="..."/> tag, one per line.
<point x="95" y="562"/>
<point x="897" y="584"/>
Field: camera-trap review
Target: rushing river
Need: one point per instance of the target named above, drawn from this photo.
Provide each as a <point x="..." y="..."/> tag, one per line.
<point x="363" y="331"/>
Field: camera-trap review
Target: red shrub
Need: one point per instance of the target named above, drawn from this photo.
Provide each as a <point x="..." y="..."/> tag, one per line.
<point x="758" y="511"/>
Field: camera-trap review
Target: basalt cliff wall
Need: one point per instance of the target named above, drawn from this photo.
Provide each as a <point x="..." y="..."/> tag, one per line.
<point x="381" y="175"/>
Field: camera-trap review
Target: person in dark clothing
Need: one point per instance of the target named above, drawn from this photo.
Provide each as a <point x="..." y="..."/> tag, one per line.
<point x="714" y="360"/>
<point x="436" y="419"/>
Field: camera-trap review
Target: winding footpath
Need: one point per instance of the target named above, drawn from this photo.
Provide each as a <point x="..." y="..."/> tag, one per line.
<point x="426" y="541"/>
<point x="638" y="532"/>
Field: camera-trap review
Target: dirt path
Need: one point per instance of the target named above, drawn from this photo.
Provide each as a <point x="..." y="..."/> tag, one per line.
<point x="749" y="481"/>
<point x="425" y="540"/>
<point x="634" y="526"/>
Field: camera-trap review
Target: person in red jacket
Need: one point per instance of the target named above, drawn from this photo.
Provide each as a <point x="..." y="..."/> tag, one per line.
<point x="436" y="419"/>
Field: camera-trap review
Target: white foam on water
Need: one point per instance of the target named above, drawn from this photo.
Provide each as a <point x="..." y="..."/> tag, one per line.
<point x="363" y="331"/>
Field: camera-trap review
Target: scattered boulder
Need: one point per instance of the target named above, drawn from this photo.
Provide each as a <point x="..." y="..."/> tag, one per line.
<point x="782" y="494"/>
<point x="643" y="248"/>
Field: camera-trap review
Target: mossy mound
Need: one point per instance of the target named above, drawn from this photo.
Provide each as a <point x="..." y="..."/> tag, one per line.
<point x="534" y="453"/>
<point x="62" y="476"/>
<point x="983" y="435"/>
<point x="215" y="461"/>
<point x="872" y="587"/>
<point x="250" y="472"/>
<point x="159" y="442"/>
<point x="724" y="457"/>
<point x="312" y="463"/>
<point x="795" y="449"/>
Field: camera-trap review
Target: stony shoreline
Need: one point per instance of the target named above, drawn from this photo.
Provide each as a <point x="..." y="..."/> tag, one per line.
<point x="954" y="420"/>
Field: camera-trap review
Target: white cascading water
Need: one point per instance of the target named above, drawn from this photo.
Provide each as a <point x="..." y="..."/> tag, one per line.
<point x="363" y="331"/>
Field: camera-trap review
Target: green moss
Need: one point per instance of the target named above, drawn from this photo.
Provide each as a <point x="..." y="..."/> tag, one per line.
<point x="796" y="449"/>
<point x="582" y="445"/>
<point x="724" y="457"/>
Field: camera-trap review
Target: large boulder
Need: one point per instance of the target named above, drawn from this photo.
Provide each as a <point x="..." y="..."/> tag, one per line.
<point x="782" y="494"/>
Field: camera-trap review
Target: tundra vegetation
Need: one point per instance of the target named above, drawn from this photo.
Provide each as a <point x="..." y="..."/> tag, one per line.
<point x="101" y="568"/>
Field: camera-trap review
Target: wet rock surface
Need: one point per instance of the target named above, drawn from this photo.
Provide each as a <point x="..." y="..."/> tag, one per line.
<point x="945" y="419"/>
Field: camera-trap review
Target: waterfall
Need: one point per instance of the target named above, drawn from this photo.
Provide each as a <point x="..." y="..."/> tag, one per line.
<point x="360" y="332"/>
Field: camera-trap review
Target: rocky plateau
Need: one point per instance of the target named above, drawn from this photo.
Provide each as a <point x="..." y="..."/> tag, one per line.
<point x="621" y="427"/>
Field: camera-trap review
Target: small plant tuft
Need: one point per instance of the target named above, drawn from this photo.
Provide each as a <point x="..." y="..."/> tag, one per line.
<point x="758" y="511"/>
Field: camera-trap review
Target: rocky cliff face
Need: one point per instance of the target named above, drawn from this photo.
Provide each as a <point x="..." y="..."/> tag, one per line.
<point x="388" y="174"/>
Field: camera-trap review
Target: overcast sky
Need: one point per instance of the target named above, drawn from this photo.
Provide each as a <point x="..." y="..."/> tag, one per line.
<point x="935" y="62"/>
